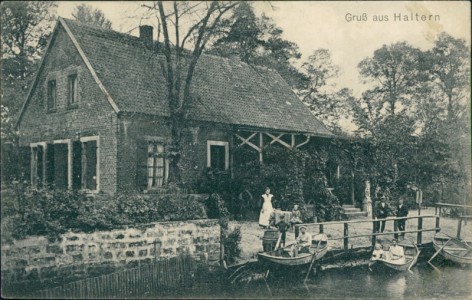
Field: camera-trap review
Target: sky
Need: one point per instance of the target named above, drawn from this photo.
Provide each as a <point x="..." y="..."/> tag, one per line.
<point x="351" y="30"/>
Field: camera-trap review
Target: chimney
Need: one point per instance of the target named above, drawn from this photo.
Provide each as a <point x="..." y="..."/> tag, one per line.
<point x="145" y="34"/>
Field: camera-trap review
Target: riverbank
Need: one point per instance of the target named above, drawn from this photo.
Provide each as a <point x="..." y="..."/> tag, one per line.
<point x="251" y="241"/>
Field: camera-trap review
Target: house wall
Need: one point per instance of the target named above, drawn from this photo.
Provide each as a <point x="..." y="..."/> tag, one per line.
<point x="81" y="255"/>
<point x="92" y="116"/>
<point x="134" y="129"/>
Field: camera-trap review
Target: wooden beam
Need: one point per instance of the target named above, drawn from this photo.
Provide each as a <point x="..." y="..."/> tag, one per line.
<point x="277" y="139"/>
<point x="246" y="141"/>
<point x="261" y="145"/>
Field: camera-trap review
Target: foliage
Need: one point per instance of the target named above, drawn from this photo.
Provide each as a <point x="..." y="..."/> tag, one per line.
<point x="258" y="41"/>
<point x="27" y="211"/>
<point x="88" y="15"/>
<point x="25" y="28"/>
<point x="232" y="244"/>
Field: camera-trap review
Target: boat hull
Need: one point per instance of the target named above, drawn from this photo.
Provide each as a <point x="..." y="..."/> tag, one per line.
<point x="411" y="257"/>
<point x="277" y="258"/>
<point x="456" y="250"/>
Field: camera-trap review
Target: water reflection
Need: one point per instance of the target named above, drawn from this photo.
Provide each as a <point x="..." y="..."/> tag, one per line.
<point x="396" y="286"/>
<point x="422" y="282"/>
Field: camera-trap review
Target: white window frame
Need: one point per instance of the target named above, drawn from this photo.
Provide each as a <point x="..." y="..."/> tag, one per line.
<point x="95" y="138"/>
<point x="33" y="174"/>
<point x="163" y="141"/>
<point x="217" y="143"/>
<point x="69" y="159"/>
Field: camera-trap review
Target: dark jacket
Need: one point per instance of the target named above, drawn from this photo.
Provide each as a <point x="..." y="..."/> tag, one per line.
<point x="402" y="211"/>
<point x="282" y="226"/>
<point x="382" y="212"/>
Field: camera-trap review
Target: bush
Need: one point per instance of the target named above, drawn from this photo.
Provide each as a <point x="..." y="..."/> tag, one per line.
<point x="231" y="242"/>
<point x="27" y="211"/>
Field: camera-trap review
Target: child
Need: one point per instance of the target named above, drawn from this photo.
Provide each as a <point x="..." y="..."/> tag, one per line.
<point x="283" y="227"/>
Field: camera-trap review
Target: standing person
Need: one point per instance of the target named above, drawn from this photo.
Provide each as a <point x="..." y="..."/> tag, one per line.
<point x="402" y="211"/>
<point x="283" y="227"/>
<point x="382" y="212"/>
<point x="296" y="219"/>
<point x="266" y="210"/>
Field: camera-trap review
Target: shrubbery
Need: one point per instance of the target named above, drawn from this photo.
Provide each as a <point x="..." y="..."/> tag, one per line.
<point x="27" y="211"/>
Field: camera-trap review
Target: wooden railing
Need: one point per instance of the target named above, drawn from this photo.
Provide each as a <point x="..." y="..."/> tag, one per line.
<point x="419" y="231"/>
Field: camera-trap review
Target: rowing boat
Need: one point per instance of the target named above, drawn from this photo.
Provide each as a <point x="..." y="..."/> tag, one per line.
<point x="284" y="256"/>
<point x="411" y="253"/>
<point x="453" y="249"/>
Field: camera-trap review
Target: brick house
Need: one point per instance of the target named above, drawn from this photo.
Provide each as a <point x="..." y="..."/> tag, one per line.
<point x="96" y="117"/>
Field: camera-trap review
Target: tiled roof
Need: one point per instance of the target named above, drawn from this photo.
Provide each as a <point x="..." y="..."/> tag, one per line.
<point x="224" y="90"/>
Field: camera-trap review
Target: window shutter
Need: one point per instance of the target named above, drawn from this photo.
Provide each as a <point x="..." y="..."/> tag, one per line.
<point x="50" y="164"/>
<point x="76" y="165"/>
<point x="141" y="165"/>
<point x="24" y="163"/>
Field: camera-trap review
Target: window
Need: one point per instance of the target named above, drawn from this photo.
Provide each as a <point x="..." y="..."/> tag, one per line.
<point x="156" y="168"/>
<point x="51" y="103"/>
<point x="218" y="155"/>
<point x="89" y="163"/>
<point x="152" y="169"/>
<point x="38" y="164"/>
<point x="72" y="89"/>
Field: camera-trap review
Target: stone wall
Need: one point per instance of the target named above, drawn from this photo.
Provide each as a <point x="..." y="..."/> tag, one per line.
<point x="80" y="255"/>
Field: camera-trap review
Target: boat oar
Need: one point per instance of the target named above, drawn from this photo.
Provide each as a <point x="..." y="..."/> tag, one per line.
<point x="312" y="262"/>
<point x="278" y="241"/>
<point x="437" y="252"/>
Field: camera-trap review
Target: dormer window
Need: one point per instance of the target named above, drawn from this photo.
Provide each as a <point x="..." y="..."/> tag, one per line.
<point x="72" y="89"/>
<point x="51" y="103"/>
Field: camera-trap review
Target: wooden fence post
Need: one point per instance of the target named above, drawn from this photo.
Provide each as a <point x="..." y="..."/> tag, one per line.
<point x="346" y="236"/>
<point x="395" y="228"/>
<point x="374" y="237"/>
<point x="437" y="224"/>
<point x="321" y="228"/>
<point x="419" y="237"/>
<point x="459" y="227"/>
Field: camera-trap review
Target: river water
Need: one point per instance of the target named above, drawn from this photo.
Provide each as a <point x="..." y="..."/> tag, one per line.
<point x="423" y="282"/>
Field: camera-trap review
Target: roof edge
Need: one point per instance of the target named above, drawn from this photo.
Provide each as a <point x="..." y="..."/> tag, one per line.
<point x="36" y="76"/>
<point x="89" y="65"/>
<point x="82" y="55"/>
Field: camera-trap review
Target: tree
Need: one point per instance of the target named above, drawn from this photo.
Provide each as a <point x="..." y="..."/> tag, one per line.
<point x="393" y="72"/>
<point x="179" y="62"/>
<point x="25" y="28"/>
<point x="449" y="70"/>
<point x="88" y="15"/>
<point x="258" y="41"/>
<point x="320" y="93"/>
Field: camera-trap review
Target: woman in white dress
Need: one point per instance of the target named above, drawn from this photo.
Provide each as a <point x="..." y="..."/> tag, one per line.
<point x="266" y="210"/>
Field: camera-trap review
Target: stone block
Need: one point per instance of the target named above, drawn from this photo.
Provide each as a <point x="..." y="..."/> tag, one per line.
<point x="20" y="263"/>
<point x="129" y="253"/>
<point x="54" y="249"/>
<point x="135" y="236"/>
<point x="105" y="237"/>
<point x="171" y="241"/>
<point x="186" y="232"/>
<point x="143" y="252"/>
<point x="73" y="238"/>
<point x="119" y="236"/>
<point x="168" y="251"/>
<point x="200" y="248"/>
<point x="108" y="255"/>
<point x="184" y="241"/>
<point x="77" y="257"/>
<point x="137" y="244"/>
